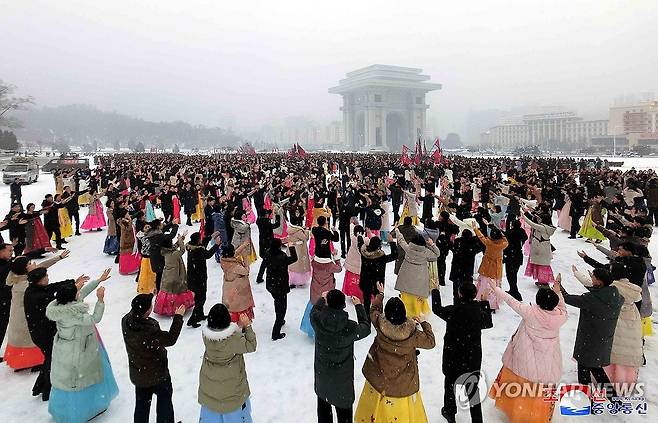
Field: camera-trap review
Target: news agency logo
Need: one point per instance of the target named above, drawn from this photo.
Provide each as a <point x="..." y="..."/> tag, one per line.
<point x="575" y="400"/>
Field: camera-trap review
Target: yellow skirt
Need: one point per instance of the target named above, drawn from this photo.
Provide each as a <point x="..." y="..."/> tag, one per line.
<point x="146" y="280"/>
<point x="84" y="199"/>
<point x="375" y="408"/>
<point x="196" y="216"/>
<point x="415" y="306"/>
<point x="647" y="329"/>
<point x="405" y="213"/>
<point x="65" y="228"/>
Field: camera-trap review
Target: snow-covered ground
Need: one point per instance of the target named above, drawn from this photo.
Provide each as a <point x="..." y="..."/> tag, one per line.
<point x="281" y="373"/>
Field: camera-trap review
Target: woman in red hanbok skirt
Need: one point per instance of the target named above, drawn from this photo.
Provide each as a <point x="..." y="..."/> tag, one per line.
<point x="36" y="237"/>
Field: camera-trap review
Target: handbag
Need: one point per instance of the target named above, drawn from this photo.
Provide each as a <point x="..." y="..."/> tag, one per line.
<point x="485" y="310"/>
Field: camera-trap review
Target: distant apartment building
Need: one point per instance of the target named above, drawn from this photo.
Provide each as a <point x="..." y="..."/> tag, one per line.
<point x="637" y="123"/>
<point x="558" y="130"/>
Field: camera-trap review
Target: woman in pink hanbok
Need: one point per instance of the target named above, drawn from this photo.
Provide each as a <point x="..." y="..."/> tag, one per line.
<point x="95" y="219"/>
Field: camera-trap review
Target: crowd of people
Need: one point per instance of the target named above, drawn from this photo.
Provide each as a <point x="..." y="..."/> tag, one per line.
<point x="316" y="216"/>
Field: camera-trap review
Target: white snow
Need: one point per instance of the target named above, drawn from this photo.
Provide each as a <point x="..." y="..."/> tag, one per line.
<point x="281" y="373"/>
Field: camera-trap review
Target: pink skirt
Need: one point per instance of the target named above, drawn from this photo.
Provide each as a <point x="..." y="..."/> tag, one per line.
<point x="351" y="285"/>
<point x="94" y="221"/>
<point x="625" y="376"/>
<point x="166" y="303"/>
<point x="485" y="293"/>
<point x="129" y="263"/>
<point x="541" y="273"/>
<point x="299" y="279"/>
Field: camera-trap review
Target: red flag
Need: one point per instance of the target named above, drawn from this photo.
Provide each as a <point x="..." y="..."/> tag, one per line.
<point x="300" y="151"/>
<point x="437" y="156"/>
<point x="404" y="158"/>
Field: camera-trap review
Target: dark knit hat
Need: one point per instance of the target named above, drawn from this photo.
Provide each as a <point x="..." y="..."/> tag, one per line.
<point x="547" y="299"/>
<point x="336" y="299"/>
<point x="219" y="317"/>
<point x="35" y="275"/>
<point x="141" y="303"/>
<point x="395" y="311"/>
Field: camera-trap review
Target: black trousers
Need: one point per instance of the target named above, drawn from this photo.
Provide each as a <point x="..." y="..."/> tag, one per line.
<point x="585" y="378"/>
<point x="158" y="280"/>
<point x="75" y="215"/>
<point x="5" y="306"/>
<point x="512" y="271"/>
<point x="471" y="387"/>
<point x="653" y="215"/>
<point x="345" y="239"/>
<point x="168" y="214"/>
<point x="263" y="266"/>
<point x="189" y="219"/>
<point x="50" y="230"/>
<point x="441" y="267"/>
<point x="280" y="308"/>
<point x="164" y="408"/>
<point x="575" y="226"/>
<point x="396" y="211"/>
<point x="42" y="384"/>
<point x="325" y="413"/>
<point x="200" y="289"/>
<point x="368" y="292"/>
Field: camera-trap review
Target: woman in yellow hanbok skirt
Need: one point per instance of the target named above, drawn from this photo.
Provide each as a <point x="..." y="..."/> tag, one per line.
<point x="65" y="227"/>
<point x="197" y="216"/>
<point x="392" y="389"/>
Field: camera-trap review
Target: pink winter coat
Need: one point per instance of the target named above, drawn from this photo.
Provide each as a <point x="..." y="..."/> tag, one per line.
<point x="534" y="350"/>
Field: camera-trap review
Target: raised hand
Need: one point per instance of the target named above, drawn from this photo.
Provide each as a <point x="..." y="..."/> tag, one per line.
<point x="105" y="275"/>
<point x="355" y="300"/>
<point x="380" y="288"/>
<point x="81" y="281"/>
<point x="180" y="310"/>
<point x="64" y="254"/>
<point x="582" y="254"/>
<point x="574" y="269"/>
<point x="100" y="293"/>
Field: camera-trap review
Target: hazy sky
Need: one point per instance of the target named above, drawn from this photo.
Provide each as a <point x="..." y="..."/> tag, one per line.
<point x="260" y="61"/>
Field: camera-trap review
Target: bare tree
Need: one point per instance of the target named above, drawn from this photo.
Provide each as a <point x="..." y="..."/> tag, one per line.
<point x="9" y="102"/>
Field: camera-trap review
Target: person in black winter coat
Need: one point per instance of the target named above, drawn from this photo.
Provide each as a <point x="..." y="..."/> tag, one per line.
<point x="156" y="237"/>
<point x="373" y="267"/>
<point x="15" y="193"/>
<point x="51" y="219"/>
<point x="576" y="211"/>
<point x="599" y="311"/>
<point x="189" y="200"/>
<point x="462" y="348"/>
<point x="209" y="223"/>
<point x="634" y="265"/>
<point x="147" y="358"/>
<point x="347" y="211"/>
<point x="73" y="206"/>
<point x="323" y="238"/>
<point x="464" y="250"/>
<point x="335" y="335"/>
<point x="197" y="274"/>
<point x="278" y="284"/>
<point x="38" y="295"/>
<point x="265" y="238"/>
<point x="513" y="256"/>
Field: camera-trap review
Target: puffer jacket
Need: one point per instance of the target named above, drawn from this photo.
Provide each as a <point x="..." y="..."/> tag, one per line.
<point x="236" y="291"/>
<point x="174" y="275"/>
<point x="223" y="384"/>
<point x="76" y="359"/>
<point x="627" y="343"/>
<point x="534" y="350"/>
<point x="391" y="366"/>
<point x="540" y="237"/>
<point x="413" y="277"/>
